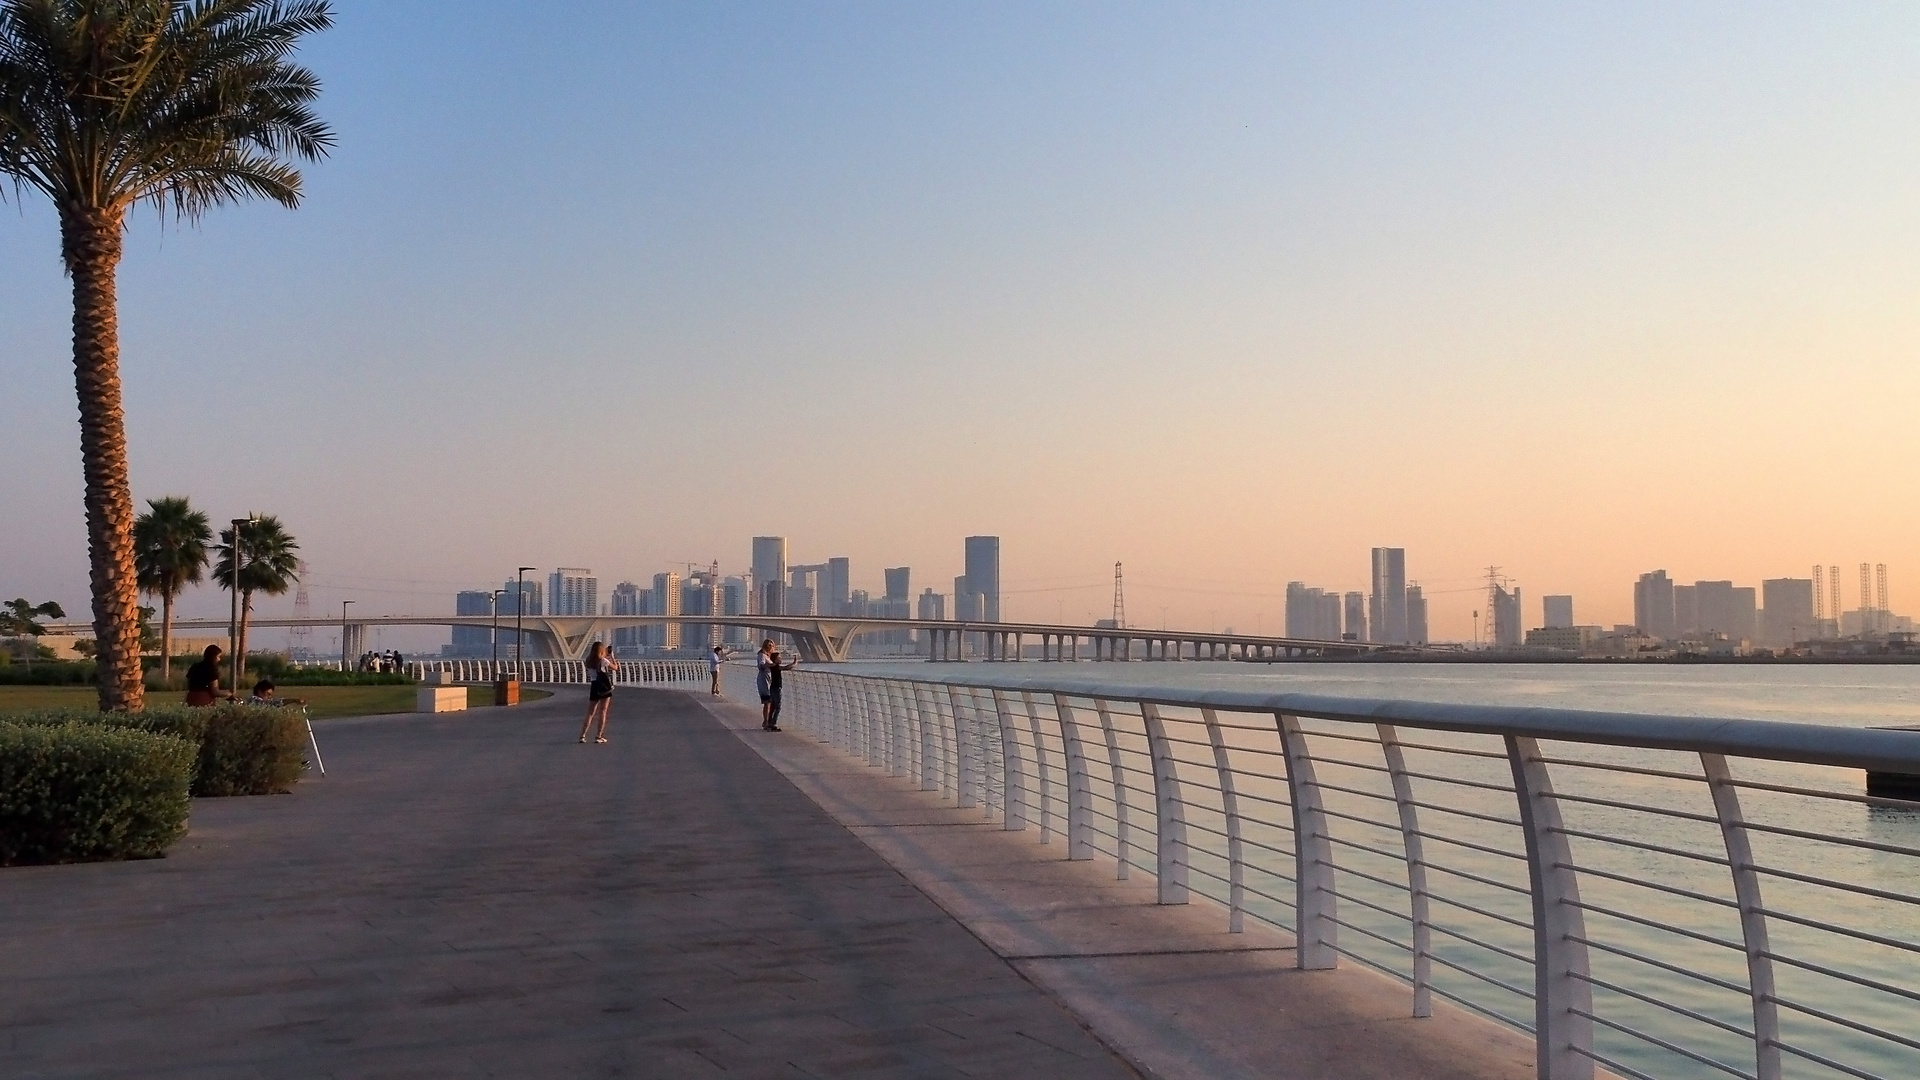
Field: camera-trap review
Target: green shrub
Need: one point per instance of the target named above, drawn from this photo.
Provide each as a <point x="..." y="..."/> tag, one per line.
<point x="244" y="749"/>
<point x="49" y="673"/>
<point x="80" y="792"/>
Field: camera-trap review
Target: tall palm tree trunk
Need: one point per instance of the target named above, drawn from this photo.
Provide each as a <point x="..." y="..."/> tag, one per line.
<point x="90" y="242"/>
<point x="166" y="640"/>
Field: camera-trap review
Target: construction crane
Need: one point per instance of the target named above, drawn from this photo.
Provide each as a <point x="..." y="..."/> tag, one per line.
<point x="1119" y="600"/>
<point x="1819" y="591"/>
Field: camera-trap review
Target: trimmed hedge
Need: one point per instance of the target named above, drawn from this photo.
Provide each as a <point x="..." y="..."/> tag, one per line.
<point x="80" y="792"/>
<point x="243" y="749"/>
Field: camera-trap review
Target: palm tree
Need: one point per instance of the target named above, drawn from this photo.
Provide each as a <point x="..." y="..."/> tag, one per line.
<point x="169" y="553"/>
<point x="180" y="104"/>
<point x="269" y="564"/>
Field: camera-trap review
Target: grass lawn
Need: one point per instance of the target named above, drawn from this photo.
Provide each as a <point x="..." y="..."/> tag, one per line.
<point x="322" y="701"/>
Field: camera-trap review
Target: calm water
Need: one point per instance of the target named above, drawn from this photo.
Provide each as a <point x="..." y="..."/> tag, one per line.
<point x="1833" y="695"/>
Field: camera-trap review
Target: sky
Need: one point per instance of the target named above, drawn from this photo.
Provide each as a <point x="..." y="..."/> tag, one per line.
<point x="1228" y="293"/>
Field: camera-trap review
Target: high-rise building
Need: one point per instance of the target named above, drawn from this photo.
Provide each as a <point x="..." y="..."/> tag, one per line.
<point x="1356" y="620"/>
<point x="1714" y="607"/>
<point x="834" y="586"/>
<point x="1556" y="612"/>
<point x="666" y="601"/>
<point x="933" y="606"/>
<point x="769" y="568"/>
<point x="1416" y="615"/>
<point x="700" y="595"/>
<point x="1746" y="614"/>
<point x="1312" y="614"/>
<point x="735" y="594"/>
<point x="1653" y="605"/>
<point x="1387" y="604"/>
<point x="573" y="591"/>
<point x="529" y="596"/>
<point x="983" y="574"/>
<point x="1686" y="611"/>
<point x="1787" y="611"/>
<point x="1507" y="632"/>
<point x="899" y="587"/>
<point x="472" y="640"/>
<point x="968" y="604"/>
<point x="628" y="599"/>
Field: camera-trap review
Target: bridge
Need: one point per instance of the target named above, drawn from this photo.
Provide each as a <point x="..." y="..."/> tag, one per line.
<point x="830" y="639"/>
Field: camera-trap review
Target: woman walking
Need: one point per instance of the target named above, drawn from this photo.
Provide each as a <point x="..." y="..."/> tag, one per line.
<point x="600" y="669"/>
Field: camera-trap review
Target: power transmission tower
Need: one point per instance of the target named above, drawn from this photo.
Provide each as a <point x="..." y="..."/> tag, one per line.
<point x="1119" y="600"/>
<point x="297" y="647"/>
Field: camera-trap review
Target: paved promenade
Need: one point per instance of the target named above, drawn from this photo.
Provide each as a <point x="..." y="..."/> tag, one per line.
<point x="478" y="895"/>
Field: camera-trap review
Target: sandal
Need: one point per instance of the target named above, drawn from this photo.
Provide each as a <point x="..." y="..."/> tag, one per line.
<point x="601" y="739"/>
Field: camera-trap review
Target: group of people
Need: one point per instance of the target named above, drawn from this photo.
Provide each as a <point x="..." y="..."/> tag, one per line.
<point x="382" y="663"/>
<point x="601" y="668"/>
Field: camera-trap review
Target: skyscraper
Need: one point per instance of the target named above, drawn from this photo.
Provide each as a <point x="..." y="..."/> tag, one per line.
<point x="1387" y="606"/>
<point x="968" y="605"/>
<point x="573" y="591"/>
<point x="666" y="601"/>
<point x="834" y="586"/>
<point x="1416" y="616"/>
<point x="1356" y="621"/>
<point x="735" y="594"/>
<point x="512" y="602"/>
<point x="1556" y="611"/>
<point x="1715" y="604"/>
<point x="1506" y="617"/>
<point x="1686" y="611"/>
<point x="1787" y="611"/>
<point x="472" y="640"/>
<point x="628" y="599"/>
<point x="933" y="606"/>
<point x="1653" y="605"/>
<point x="1313" y="614"/>
<point x="899" y="587"/>
<point x="769" y="568"/>
<point x="983" y="574"/>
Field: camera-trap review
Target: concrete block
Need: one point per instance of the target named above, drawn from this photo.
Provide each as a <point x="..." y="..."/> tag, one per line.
<point x="438" y="678"/>
<point x="440" y="699"/>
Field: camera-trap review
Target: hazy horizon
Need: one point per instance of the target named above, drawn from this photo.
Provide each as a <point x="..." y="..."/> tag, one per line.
<point x="1228" y="294"/>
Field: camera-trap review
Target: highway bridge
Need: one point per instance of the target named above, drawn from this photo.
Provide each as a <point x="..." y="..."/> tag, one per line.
<point x="829" y="639"/>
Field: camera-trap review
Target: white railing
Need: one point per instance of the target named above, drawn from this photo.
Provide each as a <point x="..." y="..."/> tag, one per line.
<point x="629" y="672"/>
<point x="1660" y="896"/>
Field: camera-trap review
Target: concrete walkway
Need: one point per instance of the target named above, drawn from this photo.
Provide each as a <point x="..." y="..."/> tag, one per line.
<point x="478" y="895"/>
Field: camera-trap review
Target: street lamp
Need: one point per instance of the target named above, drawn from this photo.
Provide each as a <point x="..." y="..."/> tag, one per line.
<point x="233" y="585"/>
<point x="519" y="607"/>
<point x="497" y="594"/>
<point x="343" y="634"/>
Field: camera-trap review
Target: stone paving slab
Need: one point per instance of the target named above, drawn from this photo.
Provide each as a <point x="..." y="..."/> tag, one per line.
<point x="478" y="895"/>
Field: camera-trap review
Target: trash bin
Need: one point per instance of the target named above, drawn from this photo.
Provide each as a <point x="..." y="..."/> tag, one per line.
<point x="506" y="692"/>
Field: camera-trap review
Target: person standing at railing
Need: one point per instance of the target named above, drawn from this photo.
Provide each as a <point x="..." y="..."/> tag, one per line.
<point x="768" y="682"/>
<point x="715" y="657"/>
<point x="600" y="668"/>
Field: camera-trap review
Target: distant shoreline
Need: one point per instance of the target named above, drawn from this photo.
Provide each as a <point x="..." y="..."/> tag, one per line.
<point x="1490" y="657"/>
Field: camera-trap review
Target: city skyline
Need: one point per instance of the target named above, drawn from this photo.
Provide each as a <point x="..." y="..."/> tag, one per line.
<point x="1170" y="263"/>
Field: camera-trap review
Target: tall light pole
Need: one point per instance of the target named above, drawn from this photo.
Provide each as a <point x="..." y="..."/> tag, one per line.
<point x="343" y="634"/>
<point x="233" y="585"/>
<point x="497" y="594"/>
<point x="519" y="607"/>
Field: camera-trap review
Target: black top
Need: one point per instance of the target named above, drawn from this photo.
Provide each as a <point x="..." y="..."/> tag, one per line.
<point x="203" y="675"/>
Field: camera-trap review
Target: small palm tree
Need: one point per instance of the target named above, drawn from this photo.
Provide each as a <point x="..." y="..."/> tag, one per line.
<point x="170" y="545"/>
<point x="180" y="104"/>
<point x="269" y="565"/>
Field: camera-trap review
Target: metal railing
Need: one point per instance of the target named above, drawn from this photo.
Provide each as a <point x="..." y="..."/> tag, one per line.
<point x="630" y="672"/>
<point x="1659" y="896"/>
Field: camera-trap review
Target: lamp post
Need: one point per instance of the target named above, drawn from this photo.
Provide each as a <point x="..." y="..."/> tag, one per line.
<point x="343" y="634"/>
<point x="497" y="594"/>
<point x="519" y="608"/>
<point x="233" y="585"/>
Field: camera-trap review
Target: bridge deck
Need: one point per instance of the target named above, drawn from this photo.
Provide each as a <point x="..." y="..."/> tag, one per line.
<point x="477" y="894"/>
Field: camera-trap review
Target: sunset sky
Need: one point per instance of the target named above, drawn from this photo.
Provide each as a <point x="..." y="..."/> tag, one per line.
<point x="1230" y="293"/>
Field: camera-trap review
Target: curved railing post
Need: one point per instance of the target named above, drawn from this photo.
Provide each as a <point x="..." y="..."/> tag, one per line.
<point x="1230" y="803"/>
<point x="983" y="755"/>
<point x="1079" y="782"/>
<point x="870" y="722"/>
<point x="1315" y="905"/>
<point x="1753" y="917"/>
<point x="1040" y="767"/>
<point x="897" y="763"/>
<point x="964" y="765"/>
<point x="1013" y="775"/>
<point x="1119" y="788"/>
<point x="1170" y="811"/>
<point x="1416" y="869"/>
<point x="1563" y="999"/>
<point x="928" y="737"/>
